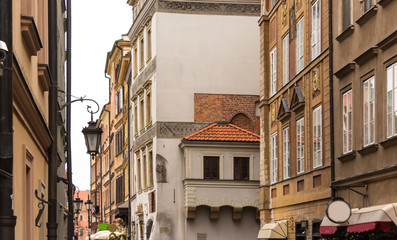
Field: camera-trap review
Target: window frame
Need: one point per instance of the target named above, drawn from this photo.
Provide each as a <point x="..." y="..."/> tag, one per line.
<point x="211" y="165"/>
<point x="286" y="153"/>
<point x="316" y="29"/>
<point x="317" y="137"/>
<point x="369" y="124"/>
<point x="273" y="71"/>
<point x="391" y="128"/>
<point x="300" y="44"/>
<point x="273" y="158"/>
<point x="347" y="130"/>
<point x="241" y="170"/>
<point x="300" y="148"/>
<point x="285" y="59"/>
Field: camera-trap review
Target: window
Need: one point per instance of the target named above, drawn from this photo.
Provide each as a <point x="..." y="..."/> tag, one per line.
<point x="120" y="189"/>
<point x="347" y="122"/>
<point x="141" y="113"/>
<point x="241" y="168"/>
<point x="273" y="71"/>
<point x="144" y="171"/>
<point x="346" y="21"/>
<point x="81" y="217"/>
<point x="119" y="141"/>
<point x="211" y="167"/>
<point x="119" y="100"/>
<point x="317" y="137"/>
<point x="286" y="153"/>
<point x="316" y="29"/>
<point x="150" y="168"/>
<point x="149" y="44"/>
<point x="286" y="59"/>
<point x="138" y="171"/>
<point x="273" y="158"/>
<point x="300" y="185"/>
<point x="392" y="100"/>
<point x="135" y="60"/>
<point x="148" y="107"/>
<point x="152" y="202"/>
<point x="81" y="231"/>
<point x="316" y="235"/>
<point x="300" y="145"/>
<point x="369" y="111"/>
<point x="135" y="117"/>
<point x="367" y="4"/>
<point x="141" y="53"/>
<point x="299" y="45"/>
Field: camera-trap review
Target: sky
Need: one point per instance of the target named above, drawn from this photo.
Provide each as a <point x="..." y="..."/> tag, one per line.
<point x="96" y="25"/>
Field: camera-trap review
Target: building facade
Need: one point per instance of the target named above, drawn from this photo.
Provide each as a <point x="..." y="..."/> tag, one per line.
<point x="365" y="74"/>
<point x="295" y="116"/>
<point x="82" y="222"/>
<point x="29" y="68"/>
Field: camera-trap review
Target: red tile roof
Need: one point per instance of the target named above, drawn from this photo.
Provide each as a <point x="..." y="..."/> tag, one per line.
<point x="223" y="132"/>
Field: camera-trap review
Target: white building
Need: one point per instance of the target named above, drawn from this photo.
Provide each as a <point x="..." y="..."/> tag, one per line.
<point x="180" y="49"/>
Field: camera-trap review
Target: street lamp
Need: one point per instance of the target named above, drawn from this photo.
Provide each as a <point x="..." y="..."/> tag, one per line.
<point x="88" y="206"/>
<point x="77" y="205"/>
<point x="92" y="135"/>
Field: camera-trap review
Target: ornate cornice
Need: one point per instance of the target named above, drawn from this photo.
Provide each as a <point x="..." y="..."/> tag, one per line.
<point x="209" y="7"/>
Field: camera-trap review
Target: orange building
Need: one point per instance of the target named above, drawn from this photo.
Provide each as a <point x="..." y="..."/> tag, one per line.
<point x="81" y="229"/>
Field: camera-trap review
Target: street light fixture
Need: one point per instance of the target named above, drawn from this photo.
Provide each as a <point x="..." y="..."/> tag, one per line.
<point x="88" y="206"/>
<point x="77" y="204"/>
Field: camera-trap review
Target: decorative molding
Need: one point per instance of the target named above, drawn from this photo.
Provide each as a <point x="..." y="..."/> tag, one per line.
<point x="367" y="15"/>
<point x="218" y="8"/>
<point x="389" y="142"/>
<point x="30" y="35"/>
<point x="347" y="156"/>
<point x="383" y="3"/>
<point x="297" y="99"/>
<point x="283" y="110"/>
<point x="388" y="41"/>
<point x="142" y="79"/>
<point x="346" y="33"/>
<point x="44" y="77"/>
<point x="143" y="17"/>
<point x="315" y="81"/>
<point x="367" y="55"/>
<point x="348" y="68"/>
<point x="368" y="149"/>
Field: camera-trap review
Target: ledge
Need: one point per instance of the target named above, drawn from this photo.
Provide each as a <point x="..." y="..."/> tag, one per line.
<point x="30" y="35"/>
<point x="346" y="33"/>
<point x="347" y="156"/>
<point x="388" y="41"/>
<point x="366" y="56"/>
<point x="367" y="15"/>
<point x="348" y="68"/>
<point x="44" y="77"/>
<point x="368" y="149"/>
<point x="383" y="3"/>
<point x="389" y="142"/>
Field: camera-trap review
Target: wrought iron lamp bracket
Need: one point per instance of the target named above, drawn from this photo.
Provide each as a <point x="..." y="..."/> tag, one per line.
<point x="41" y="207"/>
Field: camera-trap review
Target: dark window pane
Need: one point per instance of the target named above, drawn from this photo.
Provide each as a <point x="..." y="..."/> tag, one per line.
<point x="211" y="167"/>
<point x="241" y="168"/>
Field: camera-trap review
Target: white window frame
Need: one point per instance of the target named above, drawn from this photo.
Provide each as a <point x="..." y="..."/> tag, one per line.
<point x="273" y="158"/>
<point x="347" y="108"/>
<point x="300" y="45"/>
<point x="369" y="111"/>
<point x="286" y="153"/>
<point x="391" y="98"/>
<point x="286" y="59"/>
<point x="273" y="71"/>
<point x="300" y="146"/>
<point x="317" y="137"/>
<point x="316" y="29"/>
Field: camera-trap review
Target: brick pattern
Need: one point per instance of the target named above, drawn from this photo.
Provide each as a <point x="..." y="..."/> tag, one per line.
<point x="237" y="109"/>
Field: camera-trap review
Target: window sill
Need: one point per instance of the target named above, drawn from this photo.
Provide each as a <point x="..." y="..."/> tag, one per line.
<point x="383" y="3"/>
<point x="347" y="156"/>
<point x="30" y="35"/>
<point x="346" y="33"/>
<point x="348" y="68"/>
<point x="389" y="142"/>
<point x="368" y="149"/>
<point x="367" y="15"/>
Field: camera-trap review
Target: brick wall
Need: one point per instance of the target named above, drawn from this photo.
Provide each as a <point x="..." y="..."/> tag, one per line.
<point x="237" y="109"/>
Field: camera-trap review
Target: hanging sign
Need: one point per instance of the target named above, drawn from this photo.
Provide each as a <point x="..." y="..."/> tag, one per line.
<point x="338" y="211"/>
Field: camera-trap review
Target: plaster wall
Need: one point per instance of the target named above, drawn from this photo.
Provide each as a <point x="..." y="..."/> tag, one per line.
<point x="203" y="53"/>
<point x="224" y="227"/>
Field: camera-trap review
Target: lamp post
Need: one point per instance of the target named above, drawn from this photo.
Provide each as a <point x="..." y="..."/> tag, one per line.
<point x="77" y="204"/>
<point x="88" y="206"/>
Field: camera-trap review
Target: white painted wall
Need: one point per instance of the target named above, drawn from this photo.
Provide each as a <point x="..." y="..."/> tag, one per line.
<point x="203" y="54"/>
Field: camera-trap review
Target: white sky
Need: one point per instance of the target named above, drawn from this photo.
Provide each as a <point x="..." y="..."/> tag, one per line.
<point x="96" y="25"/>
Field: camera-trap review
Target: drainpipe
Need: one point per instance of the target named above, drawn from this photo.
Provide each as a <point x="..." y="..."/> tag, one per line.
<point x="52" y="224"/>
<point x="100" y="172"/>
<point x="69" y="118"/>
<point x="7" y="218"/>
<point x="110" y="179"/>
<point x="129" y="162"/>
<point x="331" y="96"/>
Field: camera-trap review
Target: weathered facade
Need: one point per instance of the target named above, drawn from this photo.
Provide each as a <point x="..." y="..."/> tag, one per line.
<point x="295" y="115"/>
<point x="365" y="74"/>
<point x="179" y="49"/>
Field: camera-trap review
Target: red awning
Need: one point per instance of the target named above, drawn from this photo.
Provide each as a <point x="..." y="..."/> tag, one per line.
<point x="329" y="228"/>
<point x="370" y="226"/>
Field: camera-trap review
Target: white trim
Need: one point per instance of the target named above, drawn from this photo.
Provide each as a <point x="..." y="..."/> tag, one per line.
<point x="286" y="153"/>
<point x="273" y="158"/>
<point x="300" y="42"/>
<point x="316" y="29"/>
<point x="347" y="125"/>
<point x="286" y="59"/>
<point x="391" y="73"/>
<point x="368" y="119"/>
<point x="300" y="148"/>
<point x="317" y="137"/>
<point x="273" y="71"/>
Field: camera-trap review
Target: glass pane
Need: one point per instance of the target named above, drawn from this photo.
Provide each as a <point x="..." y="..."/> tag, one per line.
<point x="389" y="78"/>
<point x="389" y="125"/>
<point x="372" y="132"/>
<point x="395" y="74"/>
<point x="366" y="134"/>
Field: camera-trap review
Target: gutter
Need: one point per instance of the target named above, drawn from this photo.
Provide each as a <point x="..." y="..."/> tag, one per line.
<point x="331" y="97"/>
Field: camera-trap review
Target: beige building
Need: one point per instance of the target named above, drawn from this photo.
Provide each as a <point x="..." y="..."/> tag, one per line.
<point x="365" y="77"/>
<point x="295" y="117"/>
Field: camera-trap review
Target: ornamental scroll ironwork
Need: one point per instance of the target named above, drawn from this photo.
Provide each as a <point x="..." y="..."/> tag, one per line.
<point x="41" y="207"/>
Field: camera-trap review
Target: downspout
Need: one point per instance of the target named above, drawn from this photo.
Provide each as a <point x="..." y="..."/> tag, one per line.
<point x="7" y="218"/>
<point x="110" y="179"/>
<point x="100" y="172"/>
<point x="129" y="162"/>
<point x="69" y="118"/>
<point x="331" y="96"/>
<point x="52" y="224"/>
